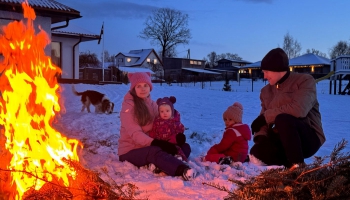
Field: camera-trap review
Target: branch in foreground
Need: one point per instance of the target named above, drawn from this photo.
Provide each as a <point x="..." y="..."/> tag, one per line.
<point x="314" y="181"/>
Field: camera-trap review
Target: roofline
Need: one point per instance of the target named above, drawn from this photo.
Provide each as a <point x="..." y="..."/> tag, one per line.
<point x="185" y="59"/>
<point x="85" y="37"/>
<point x="57" y="15"/>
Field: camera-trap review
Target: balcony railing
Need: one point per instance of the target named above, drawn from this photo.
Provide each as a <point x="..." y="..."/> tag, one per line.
<point x="341" y="65"/>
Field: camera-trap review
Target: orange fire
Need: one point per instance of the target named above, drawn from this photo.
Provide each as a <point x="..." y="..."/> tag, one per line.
<point x="28" y="104"/>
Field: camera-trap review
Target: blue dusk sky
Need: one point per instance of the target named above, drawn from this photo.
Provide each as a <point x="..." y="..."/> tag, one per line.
<point x="249" y="28"/>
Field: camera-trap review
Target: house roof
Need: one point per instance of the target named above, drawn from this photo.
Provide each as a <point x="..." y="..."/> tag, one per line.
<point x="186" y="59"/>
<point x="73" y="31"/>
<point x="200" y="71"/>
<point x="234" y="60"/>
<point x="48" y="8"/>
<point x="306" y="59"/>
<point x="253" y="65"/>
<point x="135" y="69"/>
<point x="309" y="59"/>
<point x="217" y="70"/>
<point x="142" y="54"/>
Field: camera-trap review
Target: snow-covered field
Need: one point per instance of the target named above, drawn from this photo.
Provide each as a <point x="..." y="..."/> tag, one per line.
<point x="201" y="113"/>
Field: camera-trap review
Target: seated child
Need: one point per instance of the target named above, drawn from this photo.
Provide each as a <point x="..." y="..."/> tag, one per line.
<point x="167" y="125"/>
<point x="234" y="143"/>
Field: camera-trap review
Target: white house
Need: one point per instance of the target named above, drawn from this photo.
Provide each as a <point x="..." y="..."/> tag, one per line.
<point x="53" y="18"/>
<point x="65" y="49"/>
<point x="140" y="61"/>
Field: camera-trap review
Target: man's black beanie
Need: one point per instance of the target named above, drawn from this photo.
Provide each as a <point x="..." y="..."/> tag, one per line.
<point x="275" y="60"/>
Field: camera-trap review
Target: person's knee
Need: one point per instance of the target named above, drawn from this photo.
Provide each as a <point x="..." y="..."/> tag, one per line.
<point x="186" y="148"/>
<point x="283" y="123"/>
<point x="153" y="149"/>
<point x="283" y="118"/>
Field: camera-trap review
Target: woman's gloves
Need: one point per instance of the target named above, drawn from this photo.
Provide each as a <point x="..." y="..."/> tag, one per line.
<point x="180" y="139"/>
<point x="165" y="146"/>
<point x="258" y="123"/>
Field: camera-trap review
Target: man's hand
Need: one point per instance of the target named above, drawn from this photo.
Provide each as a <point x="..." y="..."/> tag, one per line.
<point x="258" y="123"/>
<point x="260" y="139"/>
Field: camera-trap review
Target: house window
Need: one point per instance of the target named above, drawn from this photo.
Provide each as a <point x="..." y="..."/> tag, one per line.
<point x="120" y="60"/>
<point x="128" y="59"/>
<point x="195" y="62"/>
<point x="56" y="53"/>
<point x="148" y="60"/>
<point x="155" y="61"/>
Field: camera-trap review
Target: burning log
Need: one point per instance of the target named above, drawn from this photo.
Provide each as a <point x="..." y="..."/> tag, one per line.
<point x="87" y="185"/>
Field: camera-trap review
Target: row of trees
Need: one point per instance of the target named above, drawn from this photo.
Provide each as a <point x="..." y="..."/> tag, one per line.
<point x="168" y="28"/>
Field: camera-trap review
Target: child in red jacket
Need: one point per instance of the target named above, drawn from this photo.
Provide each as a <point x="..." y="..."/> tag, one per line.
<point x="167" y="126"/>
<point x="234" y="143"/>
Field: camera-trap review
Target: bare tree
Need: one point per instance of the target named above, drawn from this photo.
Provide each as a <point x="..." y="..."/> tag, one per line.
<point x="107" y="57"/>
<point x="291" y="46"/>
<point x="87" y="59"/>
<point x="170" y="53"/>
<point x="341" y="48"/>
<point x="316" y="52"/>
<point x="229" y="56"/>
<point x="167" y="28"/>
<point x="212" y="58"/>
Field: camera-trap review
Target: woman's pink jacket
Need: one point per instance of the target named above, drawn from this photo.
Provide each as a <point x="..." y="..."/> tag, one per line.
<point x="132" y="135"/>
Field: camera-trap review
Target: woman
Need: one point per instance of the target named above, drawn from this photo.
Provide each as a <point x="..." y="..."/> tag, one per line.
<point x="135" y="146"/>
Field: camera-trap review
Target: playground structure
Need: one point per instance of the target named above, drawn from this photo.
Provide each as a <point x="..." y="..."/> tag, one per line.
<point x="340" y="67"/>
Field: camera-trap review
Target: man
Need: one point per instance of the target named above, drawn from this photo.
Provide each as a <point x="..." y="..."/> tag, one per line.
<point x="289" y="126"/>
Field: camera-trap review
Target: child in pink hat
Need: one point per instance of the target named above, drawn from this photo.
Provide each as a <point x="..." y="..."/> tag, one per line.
<point x="167" y="126"/>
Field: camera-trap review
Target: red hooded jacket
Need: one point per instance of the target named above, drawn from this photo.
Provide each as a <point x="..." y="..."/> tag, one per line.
<point x="234" y="143"/>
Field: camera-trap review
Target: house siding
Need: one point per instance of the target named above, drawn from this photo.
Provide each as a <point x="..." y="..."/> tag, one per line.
<point x="43" y="22"/>
<point x="67" y="45"/>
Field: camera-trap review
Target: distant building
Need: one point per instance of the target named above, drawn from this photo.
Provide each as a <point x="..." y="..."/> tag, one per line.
<point x="231" y="68"/>
<point x="185" y="68"/>
<point x="316" y="66"/>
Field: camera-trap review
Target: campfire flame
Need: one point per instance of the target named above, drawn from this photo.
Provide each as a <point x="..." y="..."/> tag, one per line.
<point x="28" y="104"/>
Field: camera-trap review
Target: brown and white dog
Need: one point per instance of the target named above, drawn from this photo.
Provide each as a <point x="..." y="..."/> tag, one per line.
<point x="100" y="101"/>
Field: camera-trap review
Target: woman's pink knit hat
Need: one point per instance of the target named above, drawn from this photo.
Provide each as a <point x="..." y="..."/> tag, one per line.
<point x="140" y="77"/>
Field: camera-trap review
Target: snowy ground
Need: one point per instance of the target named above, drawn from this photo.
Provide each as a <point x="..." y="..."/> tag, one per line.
<point x="201" y="108"/>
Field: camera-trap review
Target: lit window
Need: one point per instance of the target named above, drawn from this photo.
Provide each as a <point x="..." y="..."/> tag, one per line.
<point x="128" y="59"/>
<point x="148" y="60"/>
<point x="155" y="61"/>
<point x="199" y="63"/>
<point x="191" y="62"/>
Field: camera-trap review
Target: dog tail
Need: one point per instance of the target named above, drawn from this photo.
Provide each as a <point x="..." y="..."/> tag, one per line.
<point x="75" y="92"/>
